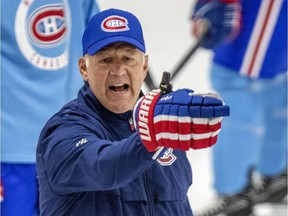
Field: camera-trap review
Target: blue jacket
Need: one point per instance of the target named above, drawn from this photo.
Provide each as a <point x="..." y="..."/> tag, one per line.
<point x="92" y="162"/>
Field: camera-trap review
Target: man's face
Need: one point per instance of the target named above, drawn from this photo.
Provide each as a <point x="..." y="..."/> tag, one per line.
<point x="115" y="75"/>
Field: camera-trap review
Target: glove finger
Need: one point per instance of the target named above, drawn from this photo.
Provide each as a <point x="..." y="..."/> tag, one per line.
<point x="221" y="111"/>
<point x="215" y="124"/>
<point x="212" y="101"/>
<point x="207" y="112"/>
<point x="162" y="135"/>
<point x="212" y="140"/>
<point x="184" y="127"/>
<point x="200" y="133"/>
<point x="215" y="128"/>
<point x="214" y="111"/>
<point x="173" y="127"/>
<point x="158" y="114"/>
<point x="200" y="144"/>
<point x="196" y="100"/>
<point x="195" y="111"/>
<point x="205" y="132"/>
<point x="182" y="96"/>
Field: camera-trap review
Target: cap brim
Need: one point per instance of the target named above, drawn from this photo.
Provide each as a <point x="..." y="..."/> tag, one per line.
<point x="100" y="44"/>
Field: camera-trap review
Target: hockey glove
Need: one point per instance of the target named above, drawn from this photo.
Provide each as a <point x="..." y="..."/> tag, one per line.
<point x="179" y="120"/>
<point x="223" y="20"/>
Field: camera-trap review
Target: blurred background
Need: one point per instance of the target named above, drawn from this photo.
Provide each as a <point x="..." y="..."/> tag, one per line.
<point x="167" y="32"/>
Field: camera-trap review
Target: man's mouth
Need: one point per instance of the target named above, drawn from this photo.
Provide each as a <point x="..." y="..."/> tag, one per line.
<point x="119" y="87"/>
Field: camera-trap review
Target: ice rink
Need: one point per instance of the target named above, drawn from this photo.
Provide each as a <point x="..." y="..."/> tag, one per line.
<point x="167" y="32"/>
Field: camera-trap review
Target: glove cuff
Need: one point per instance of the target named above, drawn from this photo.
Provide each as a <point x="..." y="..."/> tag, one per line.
<point x="144" y="123"/>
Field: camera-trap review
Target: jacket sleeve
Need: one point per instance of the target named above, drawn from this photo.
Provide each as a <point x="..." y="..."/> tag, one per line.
<point x="74" y="158"/>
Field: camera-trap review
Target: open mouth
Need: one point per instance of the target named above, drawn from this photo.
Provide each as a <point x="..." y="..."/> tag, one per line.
<point x="119" y="87"/>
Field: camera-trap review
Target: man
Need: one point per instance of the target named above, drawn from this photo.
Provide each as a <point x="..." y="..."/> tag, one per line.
<point x="95" y="158"/>
<point x="39" y="45"/>
<point x="249" y="70"/>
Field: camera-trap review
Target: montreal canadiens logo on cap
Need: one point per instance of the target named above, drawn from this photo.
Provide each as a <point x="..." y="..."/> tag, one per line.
<point x="114" y="24"/>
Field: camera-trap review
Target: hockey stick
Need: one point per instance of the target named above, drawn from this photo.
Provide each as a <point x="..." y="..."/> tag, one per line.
<point x="205" y="27"/>
<point x="205" y="24"/>
<point x="149" y="81"/>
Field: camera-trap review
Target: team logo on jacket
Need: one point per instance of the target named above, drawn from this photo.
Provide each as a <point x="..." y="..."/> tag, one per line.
<point x="168" y="158"/>
<point x="114" y="24"/>
<point x="41" y="33"/>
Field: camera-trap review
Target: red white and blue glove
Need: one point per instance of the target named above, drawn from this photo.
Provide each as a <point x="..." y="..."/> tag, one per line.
<point x="222" y="20"/>
<point x="179" y="120"/>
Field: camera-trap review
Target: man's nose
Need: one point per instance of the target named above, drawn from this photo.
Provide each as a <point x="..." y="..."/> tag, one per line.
<point x="118" y="69"/>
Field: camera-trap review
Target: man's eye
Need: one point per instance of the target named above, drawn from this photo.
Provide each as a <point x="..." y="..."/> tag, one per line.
<point x="128" y="59"/>
<point x="105" y="60"/>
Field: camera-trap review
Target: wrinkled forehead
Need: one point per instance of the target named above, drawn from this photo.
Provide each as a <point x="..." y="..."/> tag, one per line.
<point x="119" y="45"/>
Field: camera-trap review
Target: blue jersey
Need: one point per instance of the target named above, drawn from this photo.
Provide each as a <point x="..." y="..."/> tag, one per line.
<point x="40" y="47"/>
<point x="260" y="50"/>
<point x="91" y="162"/>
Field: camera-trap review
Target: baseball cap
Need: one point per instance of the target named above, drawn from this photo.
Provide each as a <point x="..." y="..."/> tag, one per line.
<point x="110" y="26"/>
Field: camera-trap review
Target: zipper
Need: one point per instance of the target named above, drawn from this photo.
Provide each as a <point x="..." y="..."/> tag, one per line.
<point x="148" y="194"/>
<point x="145" y="179"/>
<point x="131" y="123"/>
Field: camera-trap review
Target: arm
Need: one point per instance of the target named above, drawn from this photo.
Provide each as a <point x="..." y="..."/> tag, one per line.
<point x="223" y="18"/>
<point x="76" y="157"/>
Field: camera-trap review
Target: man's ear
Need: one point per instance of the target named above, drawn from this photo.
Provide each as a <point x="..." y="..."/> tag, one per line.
<point x="146" y="65"/>
<point x="82" y="65"/>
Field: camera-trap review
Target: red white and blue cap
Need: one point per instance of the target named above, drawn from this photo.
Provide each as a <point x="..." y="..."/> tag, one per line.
<point x="110" y="26"/>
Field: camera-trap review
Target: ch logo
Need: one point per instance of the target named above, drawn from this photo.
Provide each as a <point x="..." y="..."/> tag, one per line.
<point x="115" y="24"/>
<point x="168" y="158"/>
<point x="47" y="25"/>
<point x="42" y="31"/>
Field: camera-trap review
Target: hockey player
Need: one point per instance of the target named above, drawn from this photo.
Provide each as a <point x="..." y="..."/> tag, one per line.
<point x="249" y="70"/>
<point x="39" y="41"/>
<point x="95" y="158"/>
